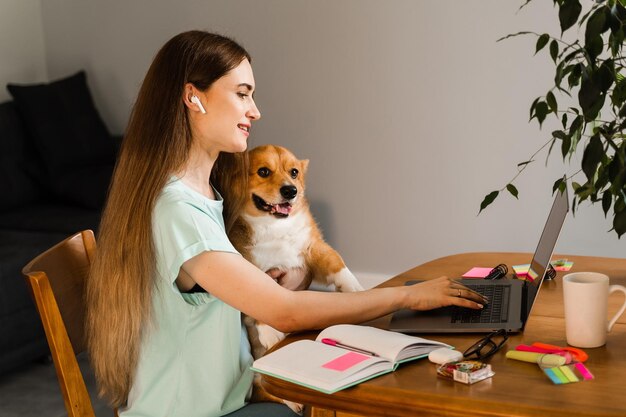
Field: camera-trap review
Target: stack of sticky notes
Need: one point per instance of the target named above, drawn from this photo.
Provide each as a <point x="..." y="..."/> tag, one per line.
<point x="567" y="374"/>
<point x="523" y="271"/>
<point x="562" y="265"/>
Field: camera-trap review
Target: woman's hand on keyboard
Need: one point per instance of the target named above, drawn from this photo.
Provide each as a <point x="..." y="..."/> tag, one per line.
<point x="442" y="292"/>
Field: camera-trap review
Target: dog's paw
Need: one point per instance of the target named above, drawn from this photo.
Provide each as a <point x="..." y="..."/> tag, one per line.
<point x="345" y="281"/>
<point x="297" y="408"/>
<point x="268" y="336"/>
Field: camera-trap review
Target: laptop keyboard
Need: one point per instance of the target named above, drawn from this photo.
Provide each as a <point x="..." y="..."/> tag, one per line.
<point x="497" y="311"/>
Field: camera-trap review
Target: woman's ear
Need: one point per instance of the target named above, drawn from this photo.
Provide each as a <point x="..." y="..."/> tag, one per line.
<point x="195" y="100"/>
<point x="192" y="100"/>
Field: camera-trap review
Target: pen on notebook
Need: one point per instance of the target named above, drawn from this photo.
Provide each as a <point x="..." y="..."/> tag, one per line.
<point x="333" y="342"/>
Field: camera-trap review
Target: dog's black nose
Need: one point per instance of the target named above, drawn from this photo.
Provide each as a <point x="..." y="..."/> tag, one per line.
<point x="288" y="191"/>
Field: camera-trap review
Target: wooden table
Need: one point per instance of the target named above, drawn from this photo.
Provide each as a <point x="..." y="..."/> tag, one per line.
<point x="517" y="389"/>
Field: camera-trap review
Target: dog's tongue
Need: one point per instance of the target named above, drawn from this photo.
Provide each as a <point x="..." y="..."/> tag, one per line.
<point x="284" y="208"/>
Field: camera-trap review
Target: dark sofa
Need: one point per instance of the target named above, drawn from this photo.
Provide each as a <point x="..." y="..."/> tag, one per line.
<point x="56" y="160"/>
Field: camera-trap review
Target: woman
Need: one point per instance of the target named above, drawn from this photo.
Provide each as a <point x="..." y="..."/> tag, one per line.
<point x="167" y="287"/>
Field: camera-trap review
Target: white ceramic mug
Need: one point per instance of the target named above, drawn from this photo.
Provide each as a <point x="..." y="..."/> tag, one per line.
<point x="585" y="297"/>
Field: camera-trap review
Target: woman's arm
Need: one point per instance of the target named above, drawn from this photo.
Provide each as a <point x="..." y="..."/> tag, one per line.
<point x="240" y="284"/>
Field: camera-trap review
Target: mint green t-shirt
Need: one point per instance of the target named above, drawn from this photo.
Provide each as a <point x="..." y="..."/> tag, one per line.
<point x="195" y="356"/>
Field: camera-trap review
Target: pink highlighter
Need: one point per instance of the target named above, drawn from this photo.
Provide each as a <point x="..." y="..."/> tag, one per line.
<point x="538" y="347"/>
<point x="534" y="349"/>
<point x="333" y="342"/>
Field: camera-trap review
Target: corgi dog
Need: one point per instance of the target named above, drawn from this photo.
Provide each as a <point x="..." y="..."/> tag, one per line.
<point x="276" y="232"/>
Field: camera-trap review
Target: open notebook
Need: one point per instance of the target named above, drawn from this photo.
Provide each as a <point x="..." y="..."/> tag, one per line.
<point x="329" y="368"/>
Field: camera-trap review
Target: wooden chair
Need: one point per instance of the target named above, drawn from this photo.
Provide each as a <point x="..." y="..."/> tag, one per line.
<point x="57" y="279"/>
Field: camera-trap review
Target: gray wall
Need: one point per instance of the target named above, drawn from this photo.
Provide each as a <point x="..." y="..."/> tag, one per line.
<point x="409" y="111"/>
<point x="22" y="53"/>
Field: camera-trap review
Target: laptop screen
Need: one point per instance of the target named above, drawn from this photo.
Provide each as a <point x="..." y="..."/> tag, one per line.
<point x="545" y="247"/>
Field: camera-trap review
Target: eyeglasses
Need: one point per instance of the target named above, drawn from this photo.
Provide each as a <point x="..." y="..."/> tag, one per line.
<point x="487" y="346"/>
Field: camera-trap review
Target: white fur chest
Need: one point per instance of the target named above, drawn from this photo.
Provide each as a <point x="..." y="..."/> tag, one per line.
<point x="279" y="243"/>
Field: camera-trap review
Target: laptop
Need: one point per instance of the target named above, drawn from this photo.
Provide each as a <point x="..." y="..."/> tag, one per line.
<point x="510" y="300"/>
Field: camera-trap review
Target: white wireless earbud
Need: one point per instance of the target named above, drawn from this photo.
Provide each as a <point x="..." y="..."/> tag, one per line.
<point x="196" y="101"/>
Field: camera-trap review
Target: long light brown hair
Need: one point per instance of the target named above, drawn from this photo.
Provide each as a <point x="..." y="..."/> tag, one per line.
<point x="156" y="145"/>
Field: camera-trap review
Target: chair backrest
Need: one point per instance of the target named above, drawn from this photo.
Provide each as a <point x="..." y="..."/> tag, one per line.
<point x="57" y="278"/>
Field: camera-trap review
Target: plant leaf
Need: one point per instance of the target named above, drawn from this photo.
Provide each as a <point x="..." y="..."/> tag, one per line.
<point x="488" y="200"/>
<point x="554" y="50"/>
<point x="576" y="124"/>
<point x="592" y="156"/>
<point x="559" y="134"/>
<point x="618" y="97"/>
<point x="589" y="96"/>
<point x="551" y="100"/>
<point x="541" y="111"/>
<point x="575" y="139"/>
<point x="541" y="42"/>
<point x="618" y="11"/>
<point x="511" y="188"/>
<point x="521" y="164"/>
<point x="569" y="11"/>
<point x="597" y="24"/>
<point x="586" y="15"/>
<point x="602" y="178"/>
<point x="574" y="77"/>
<point x="617" y="182"/>
<point x="615" y="40"/>
<point x="605" y="75"/>
<point x="583" y="192"/>
<point x="566" y="69"/>
<point x="566" y="146"/>
<point x="619" y="223"/>
<point x="619" y="205"/>
<point x="607" y="198"/>
<point x="594" y="47"/>
<point x="532" y="108"/>
<point x="557" y="184"/>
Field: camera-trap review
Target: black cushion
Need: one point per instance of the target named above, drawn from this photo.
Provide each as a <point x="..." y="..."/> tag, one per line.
<point x="68" y="134"/>
<point x="85" y="186"/>
<point x="16" y="186"/>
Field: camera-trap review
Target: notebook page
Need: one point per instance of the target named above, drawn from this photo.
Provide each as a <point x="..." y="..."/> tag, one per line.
<point x="393" y="346"/>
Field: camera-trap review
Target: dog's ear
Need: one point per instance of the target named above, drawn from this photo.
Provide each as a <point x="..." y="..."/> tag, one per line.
<point x="304" y="165"/>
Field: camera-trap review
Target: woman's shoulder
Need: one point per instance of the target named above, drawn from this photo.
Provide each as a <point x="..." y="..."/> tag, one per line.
<point x="172" y="198"/>
<point x="172" y="192"/>
<point x="176" y="199"/>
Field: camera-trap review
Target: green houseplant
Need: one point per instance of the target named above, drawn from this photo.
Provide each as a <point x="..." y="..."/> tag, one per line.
<point x="590" y="73"/>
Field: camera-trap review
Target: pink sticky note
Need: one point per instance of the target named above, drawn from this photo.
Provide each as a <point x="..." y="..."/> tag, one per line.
<point x="584" y="371"/>
<point x="477" y="272"/>
<point x="345" y="361"/>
